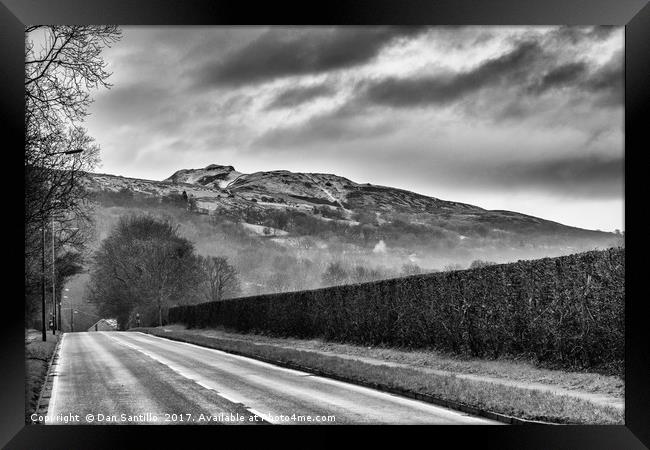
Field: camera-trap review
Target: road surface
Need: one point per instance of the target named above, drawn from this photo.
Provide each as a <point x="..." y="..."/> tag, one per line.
<point x="135" y="378"/>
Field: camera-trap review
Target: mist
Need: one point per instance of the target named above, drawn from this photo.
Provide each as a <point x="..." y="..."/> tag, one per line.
<point x="271" y="260"/>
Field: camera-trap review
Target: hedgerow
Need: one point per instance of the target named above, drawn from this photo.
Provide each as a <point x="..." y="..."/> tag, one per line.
<point x="565" y="312"/>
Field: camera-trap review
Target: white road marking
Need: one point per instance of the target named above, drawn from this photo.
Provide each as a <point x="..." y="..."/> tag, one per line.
<point x="403" y="401"/>
<point x="59" y="364"/>
<point x="180" y="371"/>
<point x="234" y="356"/>
<point x="203" y="385"/>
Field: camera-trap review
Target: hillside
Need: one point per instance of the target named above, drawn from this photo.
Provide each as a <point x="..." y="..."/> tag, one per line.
<point x="282" y="229"/>
<point x="329" y="196"/>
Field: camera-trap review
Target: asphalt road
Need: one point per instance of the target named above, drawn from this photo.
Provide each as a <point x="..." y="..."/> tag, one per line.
<point x="134" y="378"/>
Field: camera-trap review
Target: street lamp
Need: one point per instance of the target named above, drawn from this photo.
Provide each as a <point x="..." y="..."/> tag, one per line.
<point x="72" y="313"/>
<point x="57" y="314"/>
<point x="66" y="152"/>
<point x="43" y="284"/>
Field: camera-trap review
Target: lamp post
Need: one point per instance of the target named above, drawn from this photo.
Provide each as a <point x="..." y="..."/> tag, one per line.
<point x="71" y="313"/>
<point x="66" y="152"/>
<point x="43" y="285"/>
<point x="59" y="315"/>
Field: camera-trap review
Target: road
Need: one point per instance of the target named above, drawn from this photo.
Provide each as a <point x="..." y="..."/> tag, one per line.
<point x="131" y="377"/>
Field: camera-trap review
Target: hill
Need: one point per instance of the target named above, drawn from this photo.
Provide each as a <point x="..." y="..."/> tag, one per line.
<point x="283" y="229"/>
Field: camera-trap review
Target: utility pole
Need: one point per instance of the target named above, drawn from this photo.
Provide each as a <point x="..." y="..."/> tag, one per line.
<point x="58" y="325"/>
<point x="54" y="322"/>
<point x="43" y="283"/>
<point x="67" y="152"/>
<point x="71" y="320"/>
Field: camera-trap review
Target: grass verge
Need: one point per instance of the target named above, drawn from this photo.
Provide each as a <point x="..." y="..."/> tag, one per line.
<point x="37" y="359"/>
<point x="520" y="371"/>
<point x="506" y="400"/>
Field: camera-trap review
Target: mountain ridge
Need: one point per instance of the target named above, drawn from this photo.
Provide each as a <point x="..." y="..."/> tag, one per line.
<point x="328" y="196"/>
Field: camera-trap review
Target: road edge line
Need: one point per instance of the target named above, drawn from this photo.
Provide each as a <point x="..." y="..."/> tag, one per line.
<point x="47" y="384"/>
<point x="457" y="406"/>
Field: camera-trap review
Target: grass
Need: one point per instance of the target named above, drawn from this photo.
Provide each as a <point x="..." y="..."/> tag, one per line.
<point x="37" y="359"/>
<point x="512" y="401"/>
<point x="516" y="370"/>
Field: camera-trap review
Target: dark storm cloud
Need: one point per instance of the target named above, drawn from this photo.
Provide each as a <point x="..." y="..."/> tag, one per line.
<point x="584" y="176"/>
<point x="518" y="69"/>
<point x="608" y="80"/>
<point x="568" y="35"/>
<point x="297" y="96"/>
<point x="408" y="92"/>
<point x="339" y="125"/>
<point x="562" y="75"/>
<point x="287" y="52"/>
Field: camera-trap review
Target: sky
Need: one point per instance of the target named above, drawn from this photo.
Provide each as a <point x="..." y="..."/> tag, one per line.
<point x="527" y="119"/>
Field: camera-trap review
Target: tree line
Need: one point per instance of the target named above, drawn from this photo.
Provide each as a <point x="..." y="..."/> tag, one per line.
<point x="336" y="272"/>
<point x="63" y="65"/>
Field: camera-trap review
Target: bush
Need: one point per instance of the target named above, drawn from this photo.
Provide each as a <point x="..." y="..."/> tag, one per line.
<point x="565" y="312"/>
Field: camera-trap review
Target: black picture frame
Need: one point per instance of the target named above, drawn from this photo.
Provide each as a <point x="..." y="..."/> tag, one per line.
<point x="633" y="14"/>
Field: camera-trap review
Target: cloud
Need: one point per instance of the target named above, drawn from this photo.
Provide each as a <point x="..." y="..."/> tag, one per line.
<point x="574" y="35"/>
<point x="132" y="101"/>
<point x="441" y="89"/>
<point x="608" y="81"/>
<point x="295" y="51"/>
<point x="446" y="111"/>
<point x="297" y="96"/>
<point x="561" y="76"/>
<point x="574" y="175"/>
<point x="334" y="126"/>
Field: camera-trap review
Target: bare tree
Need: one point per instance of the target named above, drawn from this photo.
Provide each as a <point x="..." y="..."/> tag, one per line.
<point x="478" y="263"/>
<point x="411" y="269"/>
<point x="359" y="274"/>
<point x="221" y="278"/>
<point x="62" y="65"/>
<point x="335" y="274"/>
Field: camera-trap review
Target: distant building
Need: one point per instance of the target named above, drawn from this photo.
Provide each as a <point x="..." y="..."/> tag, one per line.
<point x="104" y="325"/>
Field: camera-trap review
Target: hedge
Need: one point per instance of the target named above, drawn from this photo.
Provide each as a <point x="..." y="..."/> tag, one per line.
<point x="565" y="312"/>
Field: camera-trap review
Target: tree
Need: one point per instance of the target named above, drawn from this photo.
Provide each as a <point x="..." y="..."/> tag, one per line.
<point x="144" y="263"/>
<point x="411" y="269"/>
<point x="62" y="65"/>
<point x="452" y="267"/>
<point x="359" y="274"/>
<point x="335" y="274"/>
<point x="478" y="263"/>
<point x="191" y="203"/>
<point x="220" y="279"/>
